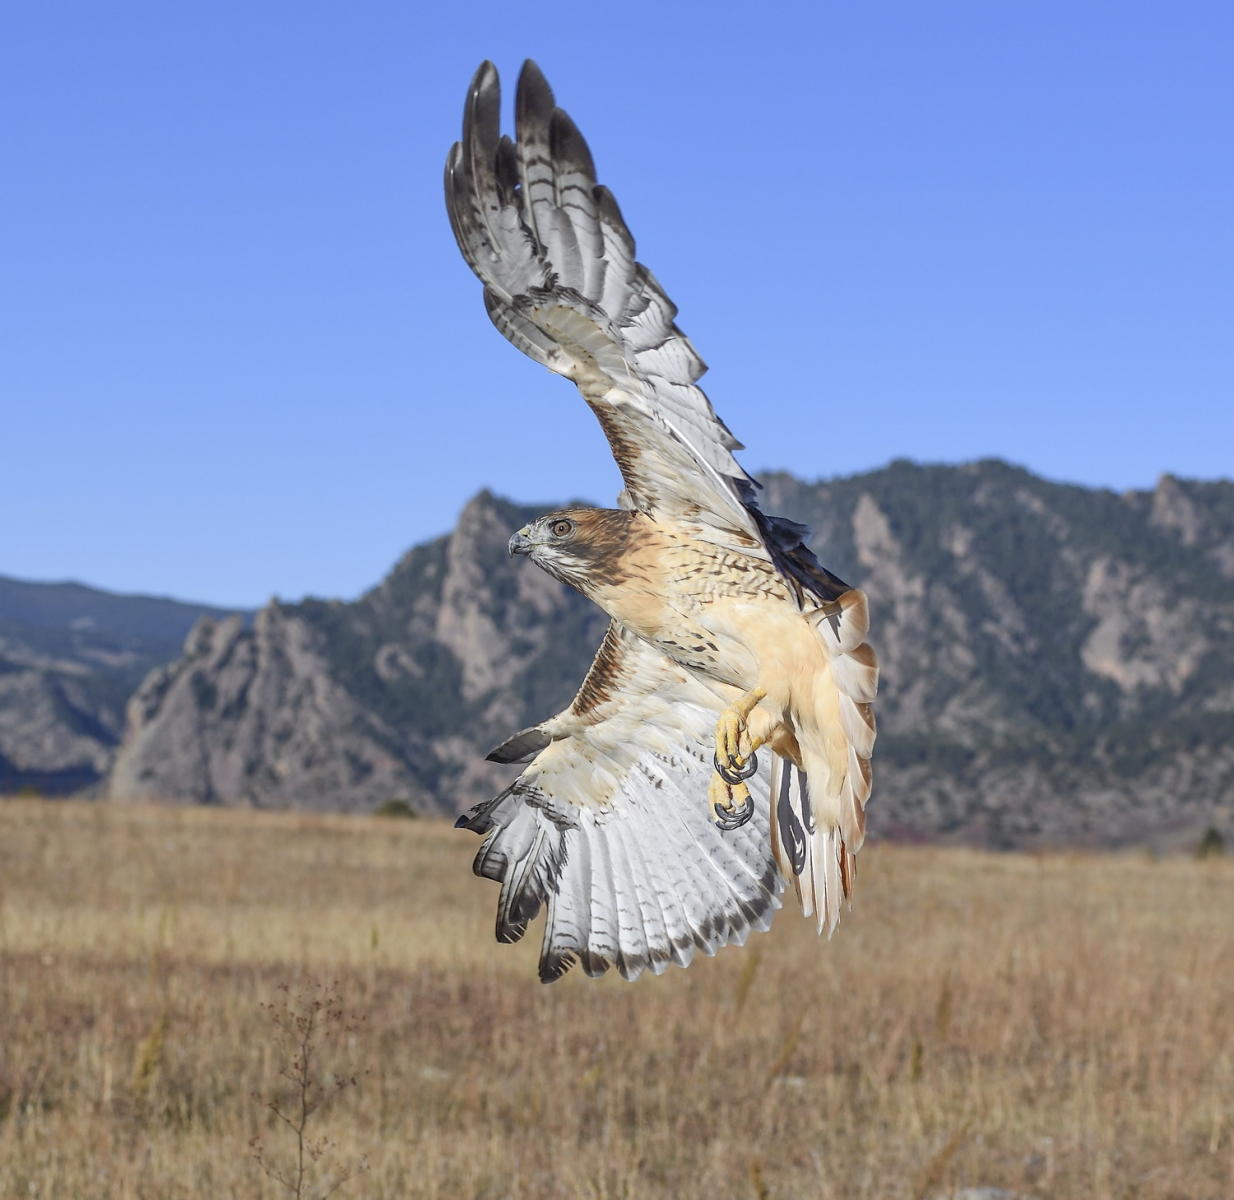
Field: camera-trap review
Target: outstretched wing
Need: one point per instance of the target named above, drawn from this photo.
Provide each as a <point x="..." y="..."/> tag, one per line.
<point x="609" y="826"/>
<point x="561" y="282"/>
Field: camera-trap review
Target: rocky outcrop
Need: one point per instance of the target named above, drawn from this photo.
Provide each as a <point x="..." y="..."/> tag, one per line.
<point x="1198" y="515"/>
<point x="56" y="734"/>
<point x="245" y="713"/>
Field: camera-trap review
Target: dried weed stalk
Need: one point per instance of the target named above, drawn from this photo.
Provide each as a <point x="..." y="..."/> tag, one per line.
<point x="310" y="1026"/>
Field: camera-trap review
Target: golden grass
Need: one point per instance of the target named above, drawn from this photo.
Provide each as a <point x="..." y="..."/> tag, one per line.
<point x="1056" y="1025"/>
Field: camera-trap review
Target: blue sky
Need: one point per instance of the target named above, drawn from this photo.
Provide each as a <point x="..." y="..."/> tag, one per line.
<point x="240" y="355"/>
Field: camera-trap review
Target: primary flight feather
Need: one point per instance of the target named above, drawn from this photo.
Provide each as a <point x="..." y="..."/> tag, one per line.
<point x="644" y="820"/>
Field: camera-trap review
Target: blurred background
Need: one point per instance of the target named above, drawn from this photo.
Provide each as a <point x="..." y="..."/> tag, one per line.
<point x="962" y="274"/>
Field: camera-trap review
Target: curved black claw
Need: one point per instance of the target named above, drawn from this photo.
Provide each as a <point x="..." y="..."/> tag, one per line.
<point x="733" y="774"/>
<point x="736" y="818"/>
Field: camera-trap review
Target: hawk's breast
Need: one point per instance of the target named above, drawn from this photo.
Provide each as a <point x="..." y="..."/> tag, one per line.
<point x="701" y="604"/>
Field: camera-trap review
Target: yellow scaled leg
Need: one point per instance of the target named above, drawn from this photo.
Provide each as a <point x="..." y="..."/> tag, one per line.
<point x="728" y="793"/>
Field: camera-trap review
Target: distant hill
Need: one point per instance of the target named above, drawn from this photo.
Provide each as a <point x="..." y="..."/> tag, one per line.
<point x="70" y="657"/>
<point x="1058" y="663"/>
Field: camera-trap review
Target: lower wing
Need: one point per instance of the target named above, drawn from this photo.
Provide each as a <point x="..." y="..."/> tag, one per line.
<point x="609" y="826"/>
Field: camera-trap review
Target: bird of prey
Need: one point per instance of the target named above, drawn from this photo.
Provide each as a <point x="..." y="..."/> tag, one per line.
<point x="644" y="821"/>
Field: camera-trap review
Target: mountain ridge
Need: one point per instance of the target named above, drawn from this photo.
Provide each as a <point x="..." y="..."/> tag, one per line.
<point x="70" y="657"/>
<point x="1058" y="662"/>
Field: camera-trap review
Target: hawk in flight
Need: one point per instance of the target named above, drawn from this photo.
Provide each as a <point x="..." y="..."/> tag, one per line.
<point x="645" y="820"/>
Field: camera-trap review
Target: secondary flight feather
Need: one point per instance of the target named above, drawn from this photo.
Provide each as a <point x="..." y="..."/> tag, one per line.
<point x="645" y="821"/>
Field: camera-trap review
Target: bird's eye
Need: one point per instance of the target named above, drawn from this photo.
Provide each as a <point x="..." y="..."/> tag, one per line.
<point x="561" y="528"/>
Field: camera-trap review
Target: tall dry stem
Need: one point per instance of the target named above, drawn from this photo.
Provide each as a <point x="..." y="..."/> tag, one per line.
<point x="306" y="1023"/>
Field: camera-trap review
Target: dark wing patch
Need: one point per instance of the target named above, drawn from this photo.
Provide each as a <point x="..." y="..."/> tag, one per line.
<point x="522" y="747"/>
<point x="602" y="678"/>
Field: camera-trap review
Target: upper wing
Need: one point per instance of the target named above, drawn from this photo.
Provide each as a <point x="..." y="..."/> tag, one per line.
<point x="610" y="825"/>
<point x="561" y="282"/>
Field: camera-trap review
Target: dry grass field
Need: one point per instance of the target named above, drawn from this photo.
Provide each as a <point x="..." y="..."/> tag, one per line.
<point x="1056" y="1026"/>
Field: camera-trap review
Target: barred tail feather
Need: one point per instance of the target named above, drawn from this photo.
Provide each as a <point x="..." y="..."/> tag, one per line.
<point x="815" y="859"/>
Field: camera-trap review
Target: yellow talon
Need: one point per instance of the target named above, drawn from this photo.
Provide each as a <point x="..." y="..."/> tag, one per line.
<point x="727" y="793"/>
<point x="726" y="797"/>
<point x="732" y="731"/>
<point x="731" y="804"/>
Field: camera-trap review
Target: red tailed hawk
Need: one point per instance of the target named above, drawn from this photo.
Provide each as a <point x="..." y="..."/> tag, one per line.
<point x="644" y="819"/>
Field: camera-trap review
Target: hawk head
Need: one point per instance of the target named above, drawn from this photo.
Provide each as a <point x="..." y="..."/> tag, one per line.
<point x="580" y="546"/>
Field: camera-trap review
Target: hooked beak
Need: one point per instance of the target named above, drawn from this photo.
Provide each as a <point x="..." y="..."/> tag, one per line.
<point x="520" y="543"/>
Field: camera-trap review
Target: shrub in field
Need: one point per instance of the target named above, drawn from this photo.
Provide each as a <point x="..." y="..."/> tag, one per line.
<point x="396" y="807"/>
<point x="1212" y="844"/>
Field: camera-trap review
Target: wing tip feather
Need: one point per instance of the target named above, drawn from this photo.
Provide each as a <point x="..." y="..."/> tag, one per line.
<point x="570" y="148"/>
<point x="533" y="97"/>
